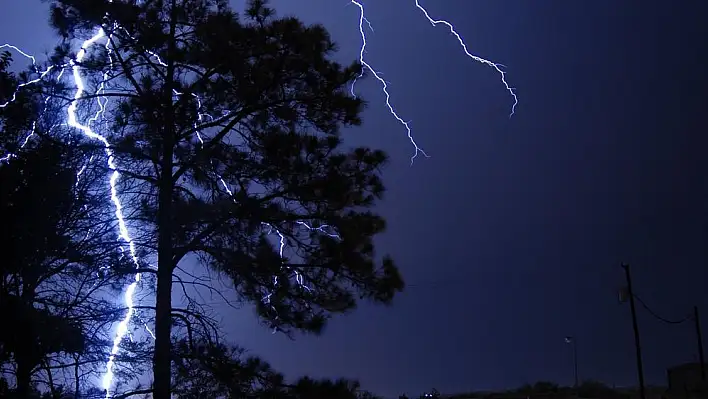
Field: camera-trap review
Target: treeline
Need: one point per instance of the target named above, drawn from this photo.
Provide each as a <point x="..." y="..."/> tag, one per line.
<point x="204" y="146"/>
<point x="586" y="389"/>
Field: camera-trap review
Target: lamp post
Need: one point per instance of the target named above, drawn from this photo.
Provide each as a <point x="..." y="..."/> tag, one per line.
<point x="571" y="341"/>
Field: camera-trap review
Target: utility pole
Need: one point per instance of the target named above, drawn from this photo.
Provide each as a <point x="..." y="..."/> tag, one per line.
<point x="699" y="337"/>
<point x="635" y="326"/>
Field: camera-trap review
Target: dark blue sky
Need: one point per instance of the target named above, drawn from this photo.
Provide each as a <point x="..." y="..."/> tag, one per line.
<point x="511" y="235"/>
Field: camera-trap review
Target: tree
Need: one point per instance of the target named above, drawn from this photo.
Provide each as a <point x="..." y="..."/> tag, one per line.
<point x="596" y="389"/>
<point x="204" y="370"/>
<point x="307" y="388"/>
<point x="55" y="237"/>
<point x="218" y="371"/>
<point x="53" y="290"/>
<point x="233" y="128"/>
<point x="15" y="118"/>
<point x="366" y="395"/>
<point x="545" y="387"/>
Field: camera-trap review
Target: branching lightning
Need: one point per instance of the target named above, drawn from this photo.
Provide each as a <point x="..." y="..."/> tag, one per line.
<point x="115" y="175"/>
<point x="384" y="84"/>
<point x="72" y="121"/>
<point x="123" y="232"/>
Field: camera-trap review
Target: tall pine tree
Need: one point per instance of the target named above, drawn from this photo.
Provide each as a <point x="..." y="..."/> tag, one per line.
<point x="233" y="127"/>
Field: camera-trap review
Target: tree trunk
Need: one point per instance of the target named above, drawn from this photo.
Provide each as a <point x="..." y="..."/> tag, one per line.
<point x="24" y="374"/>
<point x="26" y="340"/>
<point x="162" y="364"/>
<point x="163" y="307"/>
<point x="163" y="325"/>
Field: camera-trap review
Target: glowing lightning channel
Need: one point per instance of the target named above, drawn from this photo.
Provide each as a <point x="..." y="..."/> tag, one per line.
<point x="123" y="228"/>
<point x="497" y="67"/>
<point x="384" y="85"/>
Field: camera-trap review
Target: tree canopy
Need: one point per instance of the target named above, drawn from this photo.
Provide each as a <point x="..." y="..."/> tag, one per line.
<point x="58" y="238"/>
<point x="225" y="149"/>
<point x="226" y="132"/>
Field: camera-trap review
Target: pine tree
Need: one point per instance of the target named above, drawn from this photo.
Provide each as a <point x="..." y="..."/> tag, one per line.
<point x="57" y="238"/>
<point x="233" y="127"/>
<point x="49" y="268"/>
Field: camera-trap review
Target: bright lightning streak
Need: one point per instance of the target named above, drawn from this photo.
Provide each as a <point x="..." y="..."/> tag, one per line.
<point x="123" y="228"/>
<point x="123" y="233"/>
<point x="384" y="85"/>
<point x="30" y="56"/>
<point x="497" y="67"/>
<point x="30" y="82"/>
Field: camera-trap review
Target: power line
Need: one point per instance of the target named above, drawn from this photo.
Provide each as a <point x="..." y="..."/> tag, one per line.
<point x="663" y="319"/>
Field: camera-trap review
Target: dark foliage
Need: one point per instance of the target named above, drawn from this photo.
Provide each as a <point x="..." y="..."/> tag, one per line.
<point x="54" y="244"/>
<point x="262" y="169"/>
<point x="285" y="102"/>
<point x="218" y="371"/>
<point x="59" y="393"/>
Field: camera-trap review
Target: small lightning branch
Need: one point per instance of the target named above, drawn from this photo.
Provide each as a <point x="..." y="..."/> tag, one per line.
<point x="384" y="85"/>
<point x="497" y="67"/>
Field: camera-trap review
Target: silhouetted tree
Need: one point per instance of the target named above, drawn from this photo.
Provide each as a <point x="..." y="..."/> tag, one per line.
<point x="204" y="370"/>
<point x="545" y="387"/>
<point x="16" y="118"/>
<point x="207" y="370"/>
<point x="307" y="388"/>
<point x="596" y="389"/>
<point x="54" y="251"/>
<point x="58" y="393"/>
<point x="233" y="128"/>
<point x="55" y="244"/>
<point x="366" y="395"/>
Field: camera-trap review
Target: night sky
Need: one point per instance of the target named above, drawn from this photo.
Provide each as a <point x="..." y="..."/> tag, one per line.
<point x="511" y="235"/>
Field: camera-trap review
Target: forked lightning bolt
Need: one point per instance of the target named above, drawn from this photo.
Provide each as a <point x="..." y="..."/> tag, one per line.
<point x="123" y="232"/>
<point x="384" y="84"/>
<point x="115" y="175"/>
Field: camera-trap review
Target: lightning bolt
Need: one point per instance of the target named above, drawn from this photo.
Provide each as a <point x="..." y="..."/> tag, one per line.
<point x="497" y="67"/>
<point x="123" y="232"/>
<point x="384" y="84"/>
<point x="72" y="121"/>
